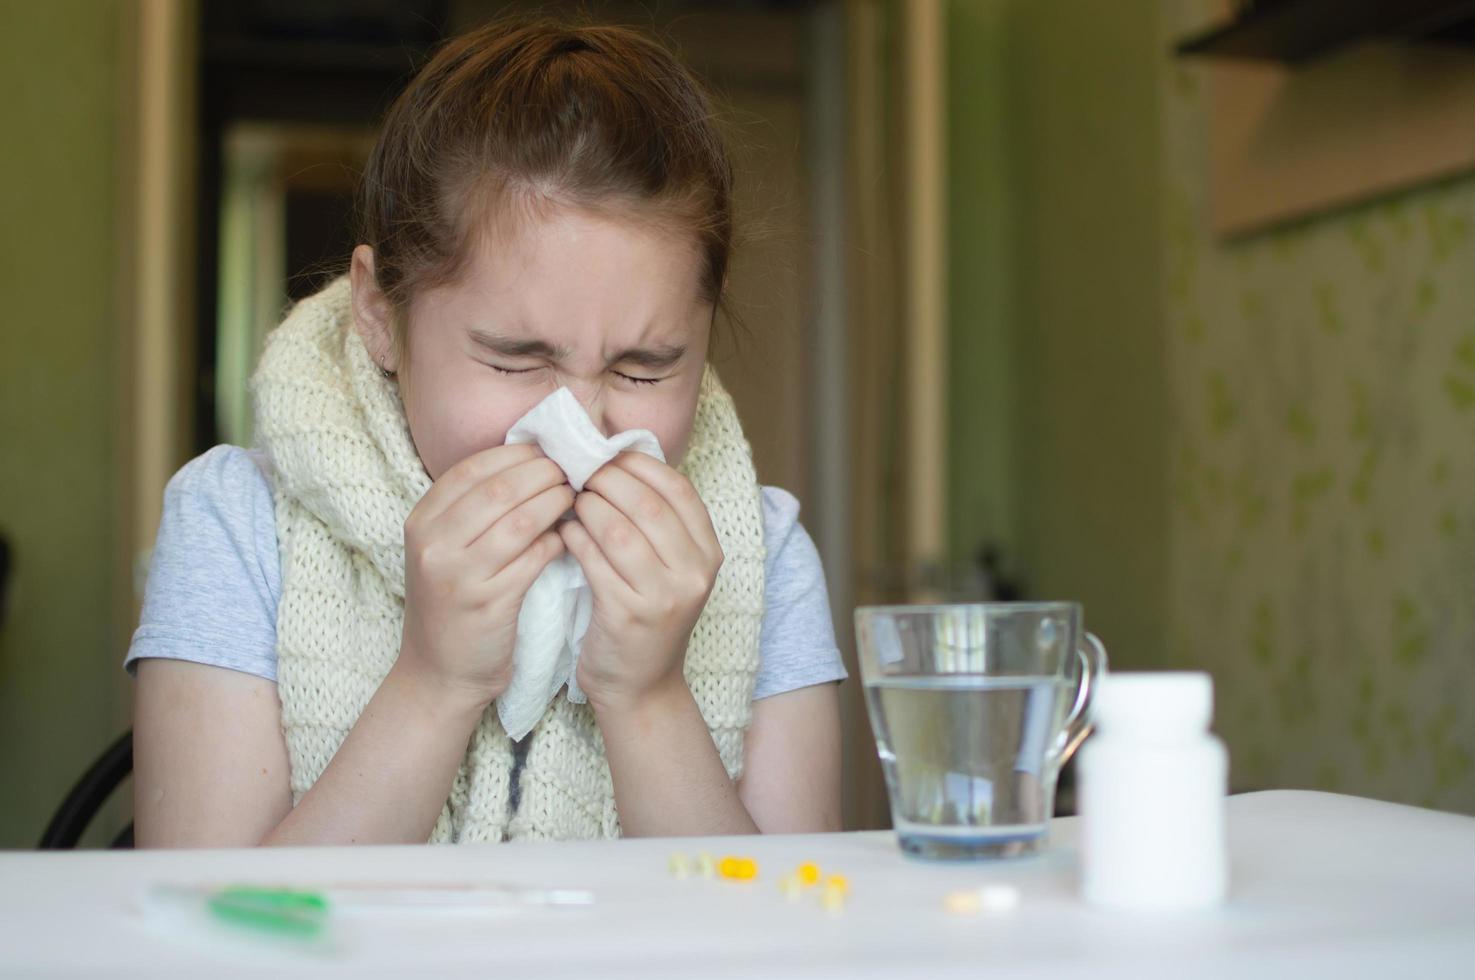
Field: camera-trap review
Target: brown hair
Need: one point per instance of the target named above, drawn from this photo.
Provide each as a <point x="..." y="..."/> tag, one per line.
<point x="538" y="113"/>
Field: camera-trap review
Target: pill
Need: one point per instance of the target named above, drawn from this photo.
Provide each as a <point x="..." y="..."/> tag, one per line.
<point x="998" y="898"/>
<point x="964" y="902"/>
<point x="738" y="868"/>
<point x="832" y="899"/>
<point x="680" y="865"/>
<point x="837" y="883"/>
<point x="808" y="873"/>
<point x="706" y="867"/>
<point x="792" y="887"/>
<point x="988" y="900"/>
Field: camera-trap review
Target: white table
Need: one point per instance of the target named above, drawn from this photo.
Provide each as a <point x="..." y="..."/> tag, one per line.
<point x="1322" y="886"/>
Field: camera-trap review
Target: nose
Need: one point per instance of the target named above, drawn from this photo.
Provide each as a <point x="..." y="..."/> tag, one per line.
<point x="591" y="397"/>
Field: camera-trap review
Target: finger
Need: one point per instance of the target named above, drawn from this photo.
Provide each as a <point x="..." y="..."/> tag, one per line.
<point x="650" y="512"/>
<point x="679" y="493"/>
<point x="454" y="482"/>
<point x="627" y="550"/>
<point x="517" y="576"/>
<point x="510" y="536"/>
<point x="487" y="502"/>
<point x="603" y="579"/>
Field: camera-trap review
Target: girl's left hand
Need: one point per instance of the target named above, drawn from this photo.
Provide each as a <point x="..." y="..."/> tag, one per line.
<point x="646" y="543"/>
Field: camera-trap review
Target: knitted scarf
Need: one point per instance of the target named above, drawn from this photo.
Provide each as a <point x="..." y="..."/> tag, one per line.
<point x="347" y="477"/>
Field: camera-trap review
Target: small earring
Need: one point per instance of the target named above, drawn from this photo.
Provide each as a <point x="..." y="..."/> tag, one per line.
<point x="384" y="370"/>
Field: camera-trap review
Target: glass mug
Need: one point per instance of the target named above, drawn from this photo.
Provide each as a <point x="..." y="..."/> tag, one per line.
<point x="975" y="708"/>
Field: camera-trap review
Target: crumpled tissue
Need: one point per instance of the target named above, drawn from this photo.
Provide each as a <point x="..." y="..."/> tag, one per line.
<point x="555" y="613"/>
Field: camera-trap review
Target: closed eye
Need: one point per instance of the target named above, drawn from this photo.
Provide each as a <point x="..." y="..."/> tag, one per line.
<point x="619" y="374"/>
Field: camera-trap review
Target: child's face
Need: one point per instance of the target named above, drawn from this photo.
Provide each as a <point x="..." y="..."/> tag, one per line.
<point x="609" y="308"/>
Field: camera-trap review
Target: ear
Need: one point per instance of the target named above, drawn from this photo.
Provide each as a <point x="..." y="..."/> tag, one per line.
<point x="373" y="314"/>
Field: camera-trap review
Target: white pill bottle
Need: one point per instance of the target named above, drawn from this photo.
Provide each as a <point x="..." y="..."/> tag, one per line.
<point x="1152" y="787"/>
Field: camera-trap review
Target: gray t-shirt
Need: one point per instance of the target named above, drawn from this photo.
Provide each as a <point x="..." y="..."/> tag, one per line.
<point x="216" y="575"/>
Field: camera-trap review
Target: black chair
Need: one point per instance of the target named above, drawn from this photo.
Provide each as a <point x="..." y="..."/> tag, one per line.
<point x="97" y="783"/>
<point x="87" y="797"/>
<point x="4" y="576"/>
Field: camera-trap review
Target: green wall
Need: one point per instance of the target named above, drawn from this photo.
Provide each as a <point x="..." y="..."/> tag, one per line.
<point x="1249" y="457"/>
<point x="1322" y="465"/>
<point x="59" y="691"/>
<point x="1056" y="385"/>
<point x="980" y="343"/>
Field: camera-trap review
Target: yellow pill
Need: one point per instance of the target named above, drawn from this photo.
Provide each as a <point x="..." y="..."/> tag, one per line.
<point x="963" y="903"/>
<point x="832" y="899"/>
<point x="808" y="873"/>
<point x="680" y="865"/>
<point x="738" y="868"/>
<point x="988" y="900"/>
<point x="837" y="883"/>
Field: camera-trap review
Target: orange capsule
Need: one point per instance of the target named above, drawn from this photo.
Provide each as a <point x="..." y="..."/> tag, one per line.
<point x="738" y="868"/>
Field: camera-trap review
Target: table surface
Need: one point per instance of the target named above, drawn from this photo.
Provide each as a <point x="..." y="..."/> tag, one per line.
<point x="1321" y="885"/>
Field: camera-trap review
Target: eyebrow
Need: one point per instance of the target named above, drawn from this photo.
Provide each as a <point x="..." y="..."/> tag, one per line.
<point x="652" y="358"/>
<point x="513" y="347"/>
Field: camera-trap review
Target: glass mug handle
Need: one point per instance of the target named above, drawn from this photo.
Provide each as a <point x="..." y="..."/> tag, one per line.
<point x="1092" y="654"/>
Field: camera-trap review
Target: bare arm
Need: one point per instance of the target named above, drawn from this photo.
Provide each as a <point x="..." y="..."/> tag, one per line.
<point x="670" y="781"/>
<point x="212" y="766"/>
<point x="791" y="761"/>
<point x="211" y="761"/>
<point x="646" y="543"/>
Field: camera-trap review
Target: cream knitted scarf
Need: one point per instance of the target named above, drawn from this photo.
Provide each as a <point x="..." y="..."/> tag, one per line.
<point x="347" y="476"/>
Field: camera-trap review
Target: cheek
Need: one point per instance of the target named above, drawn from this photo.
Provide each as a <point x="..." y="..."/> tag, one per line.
<point x="448" y="426"/>
<point x="675" y="436"/>
<point x="669" y="417"/>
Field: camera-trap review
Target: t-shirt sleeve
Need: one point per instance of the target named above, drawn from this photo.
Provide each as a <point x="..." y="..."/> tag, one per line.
<point x="797" y="641"/>
<point x="215" y="576"/>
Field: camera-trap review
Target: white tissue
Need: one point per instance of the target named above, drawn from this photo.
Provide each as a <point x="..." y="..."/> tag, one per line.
<point x="555" y="613"/>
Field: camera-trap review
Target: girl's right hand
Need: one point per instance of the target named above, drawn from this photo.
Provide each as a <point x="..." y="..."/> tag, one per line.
<point x="473" y="546"/>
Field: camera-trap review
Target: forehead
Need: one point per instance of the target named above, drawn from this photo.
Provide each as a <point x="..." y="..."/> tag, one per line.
<point x="557" y="271"/>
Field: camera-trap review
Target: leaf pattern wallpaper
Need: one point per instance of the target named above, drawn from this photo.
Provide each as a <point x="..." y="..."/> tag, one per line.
<point x="1321" y="463"/>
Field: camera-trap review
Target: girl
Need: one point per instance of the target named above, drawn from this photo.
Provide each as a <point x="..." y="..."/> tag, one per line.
<point x="330" y="618"/>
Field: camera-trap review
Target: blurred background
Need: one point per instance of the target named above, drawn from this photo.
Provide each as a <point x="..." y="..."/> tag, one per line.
<point x="1163" y="306"/>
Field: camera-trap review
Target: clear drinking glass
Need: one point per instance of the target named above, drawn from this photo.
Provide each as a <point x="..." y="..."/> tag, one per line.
<point x="975" y="708"/>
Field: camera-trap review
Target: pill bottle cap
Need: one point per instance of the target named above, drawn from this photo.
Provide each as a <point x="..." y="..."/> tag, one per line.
<point x="1154" y="704"/>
